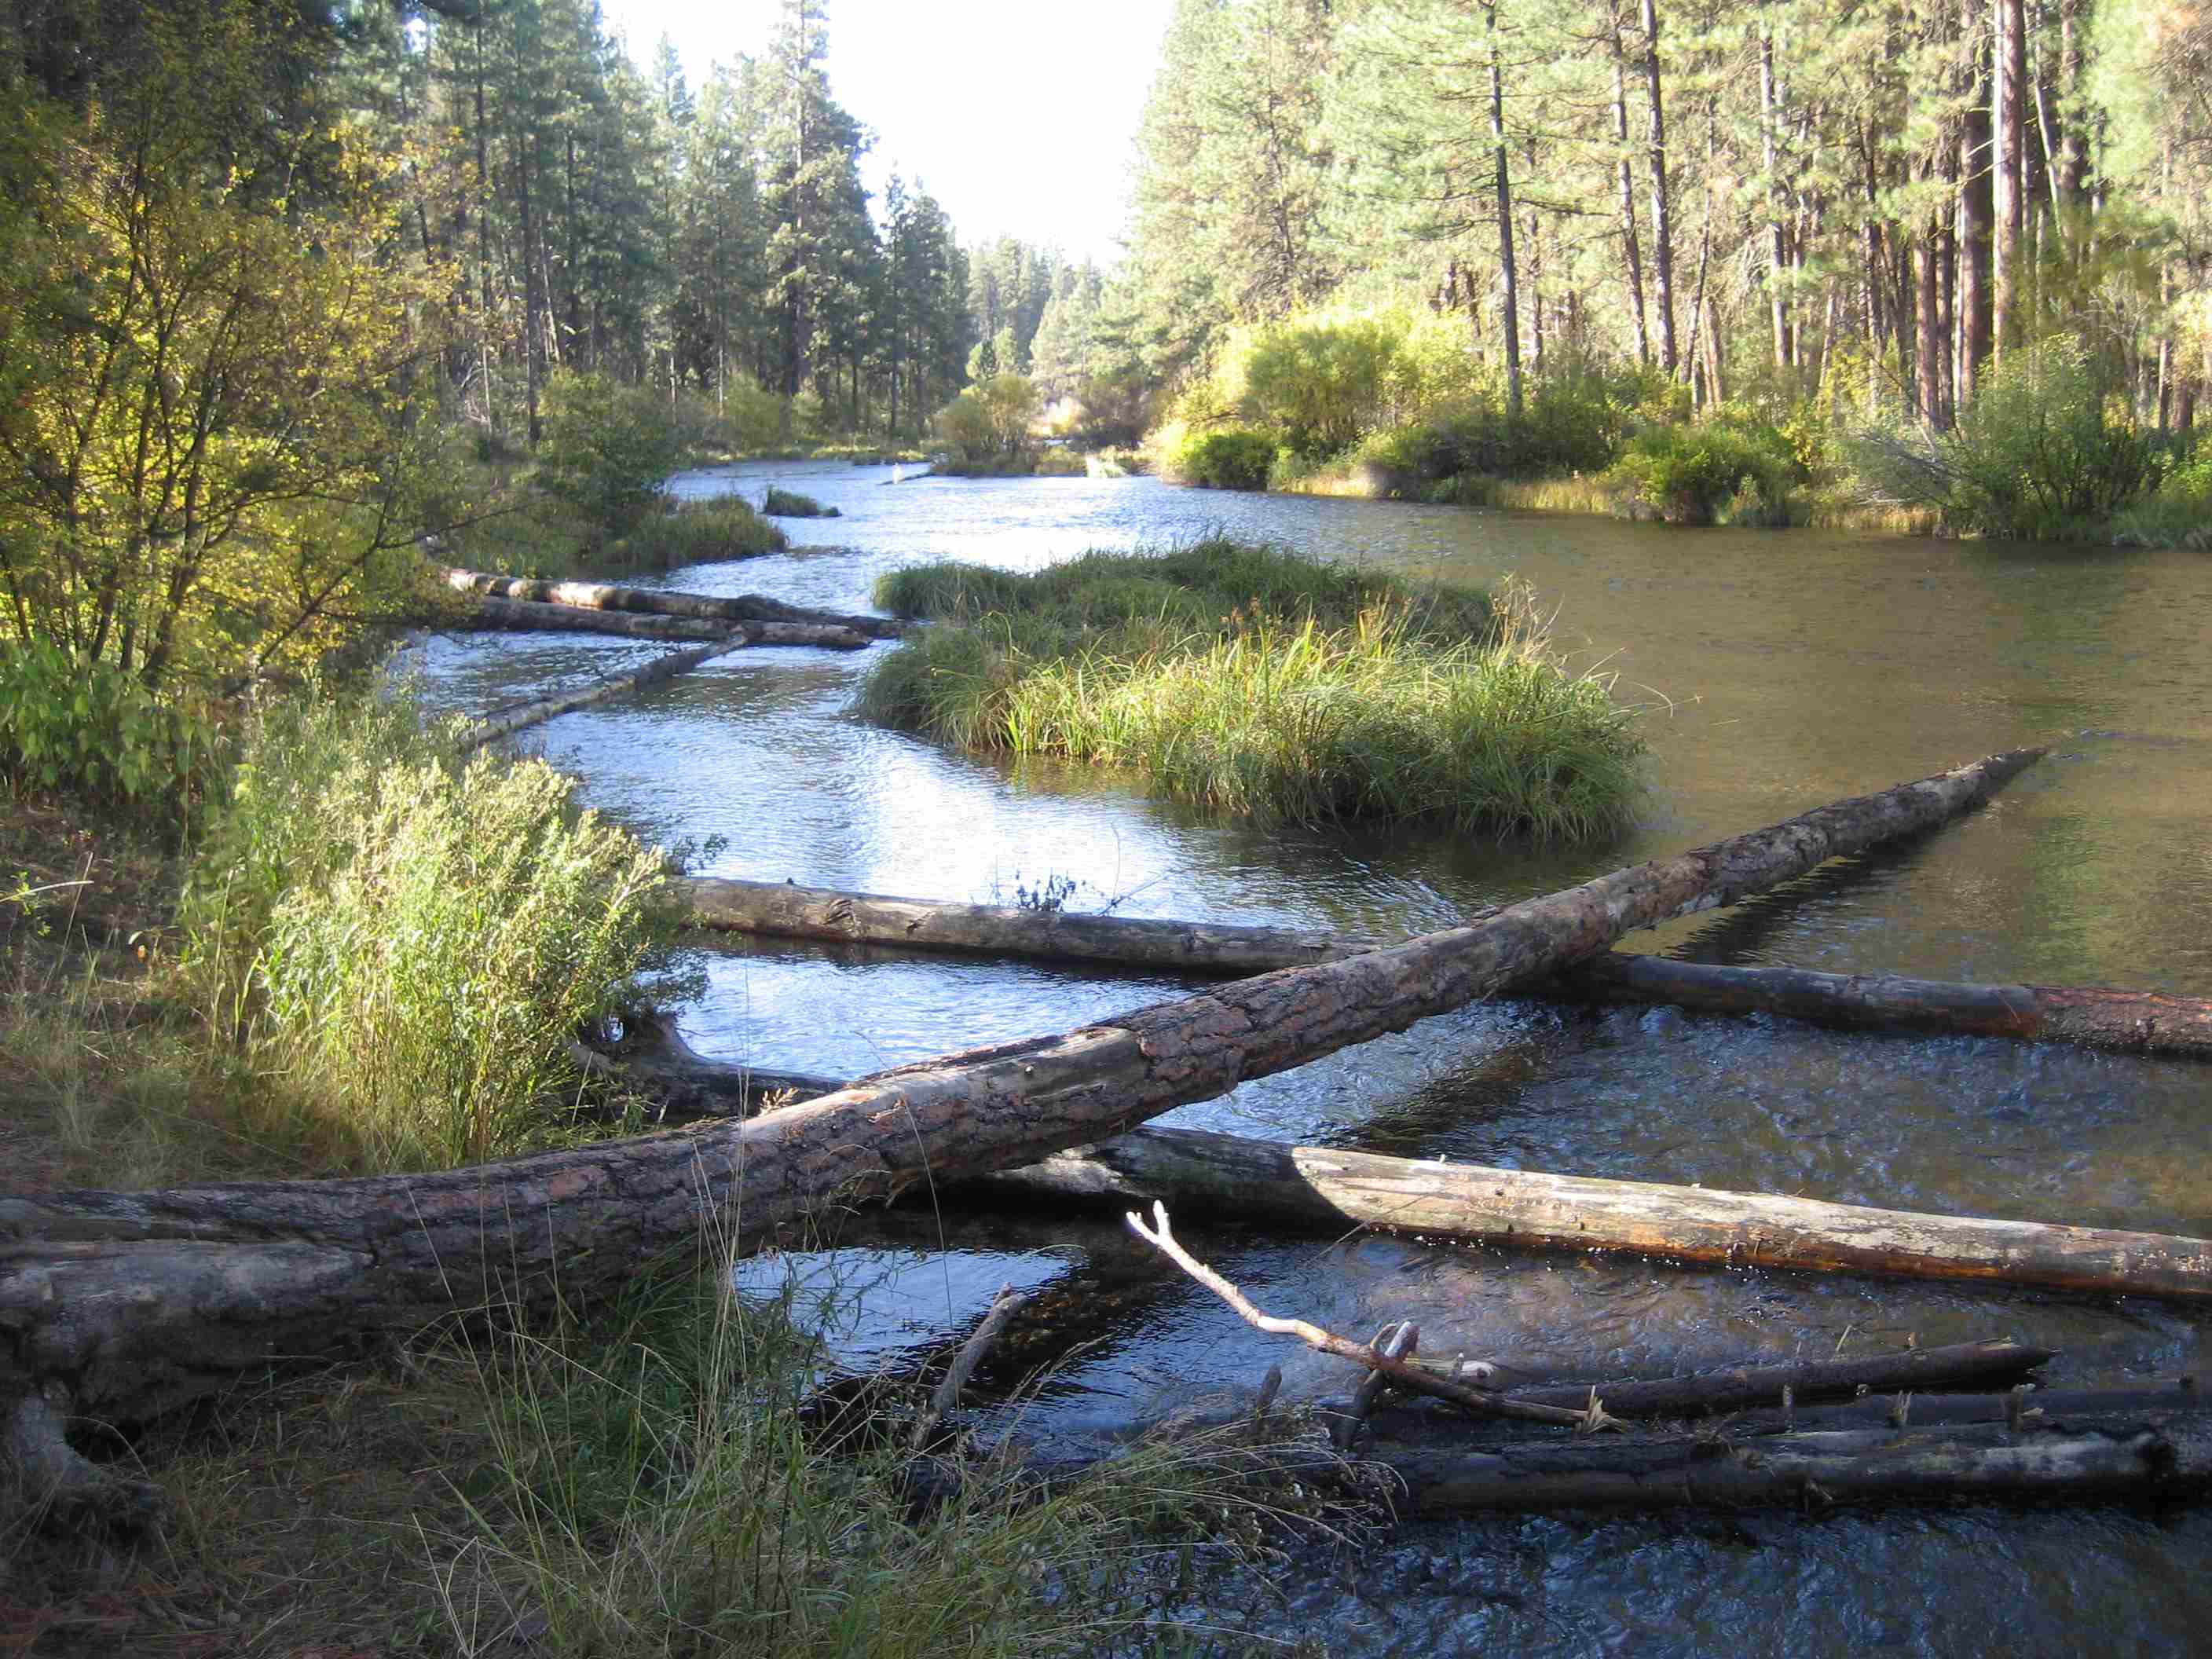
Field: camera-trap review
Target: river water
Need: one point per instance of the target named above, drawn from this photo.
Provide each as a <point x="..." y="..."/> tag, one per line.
<point x="1778" y="670"/>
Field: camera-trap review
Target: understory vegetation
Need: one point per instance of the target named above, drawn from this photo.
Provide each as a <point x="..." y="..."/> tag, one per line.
<point x="1266" y="685"/>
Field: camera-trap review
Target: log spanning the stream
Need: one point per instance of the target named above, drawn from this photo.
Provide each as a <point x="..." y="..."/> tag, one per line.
<point x="2134" y="1022"/>
<point x="661" y="602"/>
<point x="117" y="1306"/>
<point x="520" y="717"/>
<point x="528" y="615"/>
<point x="1329" y="1188"/>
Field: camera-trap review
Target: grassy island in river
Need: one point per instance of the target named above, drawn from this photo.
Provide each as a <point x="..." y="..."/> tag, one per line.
<point x="1265" y="685"/>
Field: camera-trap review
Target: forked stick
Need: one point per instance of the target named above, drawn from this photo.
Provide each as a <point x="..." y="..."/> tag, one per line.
<point x="1412" y="1377"/>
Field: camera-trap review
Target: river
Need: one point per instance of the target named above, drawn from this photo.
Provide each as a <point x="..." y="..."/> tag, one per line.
<point x="1778" y="671"/>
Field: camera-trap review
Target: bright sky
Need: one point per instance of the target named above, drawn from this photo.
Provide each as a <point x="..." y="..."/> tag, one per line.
<point x="1017" y="115"/>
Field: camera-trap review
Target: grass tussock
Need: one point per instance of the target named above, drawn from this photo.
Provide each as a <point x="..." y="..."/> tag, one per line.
<point x="790" y="504"/>
<point x="674" y="1484"/>
<point x="1268" y="686"/>
<point x="697" y="531"/>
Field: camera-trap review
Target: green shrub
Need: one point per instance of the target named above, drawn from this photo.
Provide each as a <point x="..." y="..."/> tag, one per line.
<point x="2180" y="513"/>
<point x="406" y="946"/>
<point x="1708" y="474"/>
<point x="2038" y="455"/>
<point x="607" y="449"/>
<point x="789" y="504"/>
<point x="992" y="419"/>
<point x="1236" y="459"/>
<point x="1567" y="425"/>
<point x="697" y="532"/>
<point x="94" y="731"/>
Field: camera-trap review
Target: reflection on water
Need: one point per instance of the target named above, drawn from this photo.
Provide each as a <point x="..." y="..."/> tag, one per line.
<point x="1781" y="670"/>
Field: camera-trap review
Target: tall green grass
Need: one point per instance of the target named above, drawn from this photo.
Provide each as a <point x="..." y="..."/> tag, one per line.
<point x="671" y="1485"/>
<point x="402" y="947"/>
<point x="697" y="532"/>
<point x="1329" y="695"/>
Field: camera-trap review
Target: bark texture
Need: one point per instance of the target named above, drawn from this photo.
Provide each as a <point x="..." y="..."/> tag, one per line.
<point x="1328" y="1188"/>
<point x="119" y="1305"/>
<point x="529" y="615"/>
<point x="607" y="596"/>
<point x="1815" y="1470"/>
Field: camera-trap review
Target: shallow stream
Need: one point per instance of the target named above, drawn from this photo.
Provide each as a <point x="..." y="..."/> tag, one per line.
<point x="1780" y="671"/>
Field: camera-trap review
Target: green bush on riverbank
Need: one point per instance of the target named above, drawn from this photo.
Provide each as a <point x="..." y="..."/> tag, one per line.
<point x="1266" y="685"/>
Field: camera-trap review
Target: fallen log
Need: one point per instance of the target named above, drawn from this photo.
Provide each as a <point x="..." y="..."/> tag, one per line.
<point x="2137" y="1021"/>
<point x="2156" y="1460"/>
<point x="655" y="601"/>
<point x="525" y="614"/>
<point x="1327" y="1189"/>
<point x="519" y="717"/>
<point x="781" y="909"/>
<point x="119" y="1305"/>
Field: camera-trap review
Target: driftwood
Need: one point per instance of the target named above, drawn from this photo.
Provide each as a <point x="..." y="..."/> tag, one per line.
<point x="2159" y="1458"/>
<point x="654" y="601"/>
<point x="1328" y="1188"/>
<point x="2142" y="1022"/>
<point x="1489" y="1402"/>
<point x="944" y="1399"/>
<point x="519" y="717"/>
<point x="524" y="614"/>
<point x="781" y="909"/>
<point x="119" y="1305"/>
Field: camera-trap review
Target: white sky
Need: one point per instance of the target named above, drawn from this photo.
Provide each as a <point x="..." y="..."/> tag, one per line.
<point x="1017" y="115"/>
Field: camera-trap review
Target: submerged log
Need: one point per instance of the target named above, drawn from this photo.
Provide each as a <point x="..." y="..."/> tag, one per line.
<point x="2140" y="1022"/>
<point x="524" y="614"/>
<point x="2136" y="1022"/>
<point x="2157" y="1459"/>
<point x="520" y="717"/>
<point x="607" y="596"/>
<point x="118" y="1305"/>
<point x="1328" y="1188"/>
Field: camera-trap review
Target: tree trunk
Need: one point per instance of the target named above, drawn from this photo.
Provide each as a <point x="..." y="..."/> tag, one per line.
<point x="1508" y="273"/>
<point x="1977" y="212"/>
<point x="1662" y="232"/>
<point x="1813" y="1470"/>
<point x="520" y="717"/>
<point x="1329" y="1188"/>
<point x="2135" y="1022"/>
<point x="526" y="614"/>
<point x="121" y="1305"/>
<point x="2008" y="165"/>
<point x="1743" y="1388"/>
<point x="1777" y="266"/>
<point x="605" y="596"/>
<point x="1630" y="248"/>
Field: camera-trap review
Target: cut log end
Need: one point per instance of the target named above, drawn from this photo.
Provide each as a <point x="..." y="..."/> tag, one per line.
<point x="44" y="1479"/>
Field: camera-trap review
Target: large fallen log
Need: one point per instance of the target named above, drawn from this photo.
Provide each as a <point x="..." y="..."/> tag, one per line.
<point x="2157" y="1458"/>
<point x="2139" y="1022"/>
<point x="118" y="1305"/>
<point x="527" y="615"/>
<point x="655" y="601"/>
<point x="1328" y="1188"/>
<point x="782" y="909"/>
<point x="520" y="717"/>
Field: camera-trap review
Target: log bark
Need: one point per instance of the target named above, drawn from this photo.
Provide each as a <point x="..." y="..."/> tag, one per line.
<point x="526" y="614"/>
<point x="520" y="717"/>
<point x="2136" y="1022"/>
<point x="118" y="1305"/>
<point x="1815" y="1470"/>
<point x="1329" y="1188"/>
<point x="607" y="596"/>
<point x="783" y="910"/>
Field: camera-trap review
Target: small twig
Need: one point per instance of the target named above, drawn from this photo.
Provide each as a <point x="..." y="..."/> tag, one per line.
<point x="1393" y="1342"/>
<point x="1004" y="1307"/>
<point x="1408" y="1376"/>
